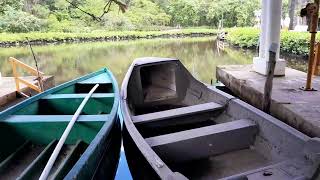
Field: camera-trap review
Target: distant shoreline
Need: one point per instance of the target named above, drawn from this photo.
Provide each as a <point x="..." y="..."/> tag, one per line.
<point x="38" y="38"/>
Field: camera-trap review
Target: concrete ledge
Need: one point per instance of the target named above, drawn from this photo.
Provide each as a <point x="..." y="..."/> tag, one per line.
<point x="260" y="66"/>
<point x="300" y="109"/>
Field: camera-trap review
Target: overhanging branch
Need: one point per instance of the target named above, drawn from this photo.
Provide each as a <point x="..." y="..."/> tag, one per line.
<point x="106" y="9"/>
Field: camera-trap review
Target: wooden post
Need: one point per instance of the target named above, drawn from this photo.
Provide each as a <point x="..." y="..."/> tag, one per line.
<point x="314" y="14"/>
<point x="316" y="64"/>
<point x="15" y="75"/>
<point x="269" y="79"/>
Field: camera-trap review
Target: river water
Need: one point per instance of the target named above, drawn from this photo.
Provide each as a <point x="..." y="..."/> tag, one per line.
<point x="68" y="61"/>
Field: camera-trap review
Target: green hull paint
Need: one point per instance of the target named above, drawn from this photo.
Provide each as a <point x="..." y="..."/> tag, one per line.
<point x="52" y="105"/>
<point x="85" y="131"/>
<point x="43" y="118"/>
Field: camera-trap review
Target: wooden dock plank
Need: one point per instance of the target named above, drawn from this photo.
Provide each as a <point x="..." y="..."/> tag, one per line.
<point x="8" y="94"/>
<point x="300" y="109"/>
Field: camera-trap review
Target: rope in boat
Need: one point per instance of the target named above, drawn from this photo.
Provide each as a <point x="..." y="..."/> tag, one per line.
<point x="54" y="155"/>
<point x="225" y="106"/>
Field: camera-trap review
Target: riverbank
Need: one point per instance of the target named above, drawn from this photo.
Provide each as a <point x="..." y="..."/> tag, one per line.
<point x="293" y="43"/>
<point x="39" y="38"/>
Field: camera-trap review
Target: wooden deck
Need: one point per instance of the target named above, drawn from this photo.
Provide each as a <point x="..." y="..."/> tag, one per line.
<point x="8" y="94"/>
<point x="300" y="109"/>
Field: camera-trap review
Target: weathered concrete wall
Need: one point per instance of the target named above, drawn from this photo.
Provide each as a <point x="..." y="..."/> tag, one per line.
<point x="300" y="109"/>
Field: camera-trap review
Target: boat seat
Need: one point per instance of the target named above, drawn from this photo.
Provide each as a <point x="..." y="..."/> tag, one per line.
<point x="54" y="118"/>
<point x="205" y="141"/>
<point x="187" y="113"/>
<point x="67" y="104"/>
<point x="52" y="126"/>
<point x="98" y="79"/>
<point x="77" y="96"/>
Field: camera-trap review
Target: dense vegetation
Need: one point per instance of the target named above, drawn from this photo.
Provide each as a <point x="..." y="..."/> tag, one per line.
<point x="291" y="42"/>
<point x="68" y="15"/>
<point x="12" y="39"/>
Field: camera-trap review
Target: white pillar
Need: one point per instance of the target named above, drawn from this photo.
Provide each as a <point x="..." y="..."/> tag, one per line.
<point x="263" y="24"/>
<point x="270" y="33"/>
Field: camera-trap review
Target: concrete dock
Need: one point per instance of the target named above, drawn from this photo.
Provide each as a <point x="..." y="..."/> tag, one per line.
<point x="9" y="95"/>
<point x="300" y="109"/>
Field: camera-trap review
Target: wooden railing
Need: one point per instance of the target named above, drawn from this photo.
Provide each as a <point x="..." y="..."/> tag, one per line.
<point x="15" y="64"/>
<point x="316" y="64"/>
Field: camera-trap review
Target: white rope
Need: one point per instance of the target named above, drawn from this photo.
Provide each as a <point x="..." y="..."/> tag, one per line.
<point x="54" y="155"/>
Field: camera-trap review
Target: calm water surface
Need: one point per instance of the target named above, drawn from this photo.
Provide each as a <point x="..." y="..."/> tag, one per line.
<point x="68" y="61"/>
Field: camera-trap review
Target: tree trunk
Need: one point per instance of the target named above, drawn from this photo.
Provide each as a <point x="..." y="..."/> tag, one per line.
<point x="292" y="7"/>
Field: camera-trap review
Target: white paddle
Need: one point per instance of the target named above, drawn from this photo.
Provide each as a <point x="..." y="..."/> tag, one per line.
<point x="54" y="155"/>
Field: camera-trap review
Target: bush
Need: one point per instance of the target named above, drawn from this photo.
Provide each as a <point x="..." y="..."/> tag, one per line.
<point x="115" y="21"/>
<point x="243" y="37"/>
<point x="19" y="21"/>
<point x="290" y="42"/>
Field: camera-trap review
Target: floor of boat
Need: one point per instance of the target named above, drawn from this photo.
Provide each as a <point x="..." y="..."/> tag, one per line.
<point x="65" y="151"/>
<point x="157" y="93"/>
<point x="223" y="165"/>
<point x="18" y="165"/>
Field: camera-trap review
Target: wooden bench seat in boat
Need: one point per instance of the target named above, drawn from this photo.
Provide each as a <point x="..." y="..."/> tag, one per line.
<point x="53" y="125"/>
<point x="54" y="118"/>
<point x="76" y="96"/>
<point x="205" y="141"/>
<point x="67" y="104"/>
<point x="99" y="79"/>
<point x="187" y="113"/>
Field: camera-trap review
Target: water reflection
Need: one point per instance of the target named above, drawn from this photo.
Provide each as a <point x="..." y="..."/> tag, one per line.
<point x="68" y="61"/>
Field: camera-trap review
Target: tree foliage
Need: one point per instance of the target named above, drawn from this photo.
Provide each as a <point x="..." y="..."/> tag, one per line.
<point x="89" y="15"/>
<point x="184" y="12"/>
<point x="233" y="13"/>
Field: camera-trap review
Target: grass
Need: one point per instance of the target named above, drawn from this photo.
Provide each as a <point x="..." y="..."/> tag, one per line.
<point x="60" y="36"/>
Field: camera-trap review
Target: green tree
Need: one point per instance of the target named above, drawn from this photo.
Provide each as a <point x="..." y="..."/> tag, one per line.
<point x="184" y="12"/>
<point x="19" y="21"/>
<point x="233" y="12"/>
<point x="14" y="4"/>
<point x="144" y="13"/>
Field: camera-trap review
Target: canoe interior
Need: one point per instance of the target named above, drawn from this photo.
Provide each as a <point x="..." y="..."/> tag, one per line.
<point x="30" y="133"/>
<point x="195" y="133"/>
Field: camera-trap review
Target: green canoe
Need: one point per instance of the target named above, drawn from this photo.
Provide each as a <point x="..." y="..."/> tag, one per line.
<point x="29" y="132"/>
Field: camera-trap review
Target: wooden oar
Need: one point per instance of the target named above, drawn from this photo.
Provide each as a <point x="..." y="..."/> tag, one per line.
<point x="54" y="155"/>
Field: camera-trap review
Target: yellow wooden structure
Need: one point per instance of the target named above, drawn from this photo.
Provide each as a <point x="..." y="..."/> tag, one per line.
<point x="316" y="64"/>
<point x="15" y="64"/>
